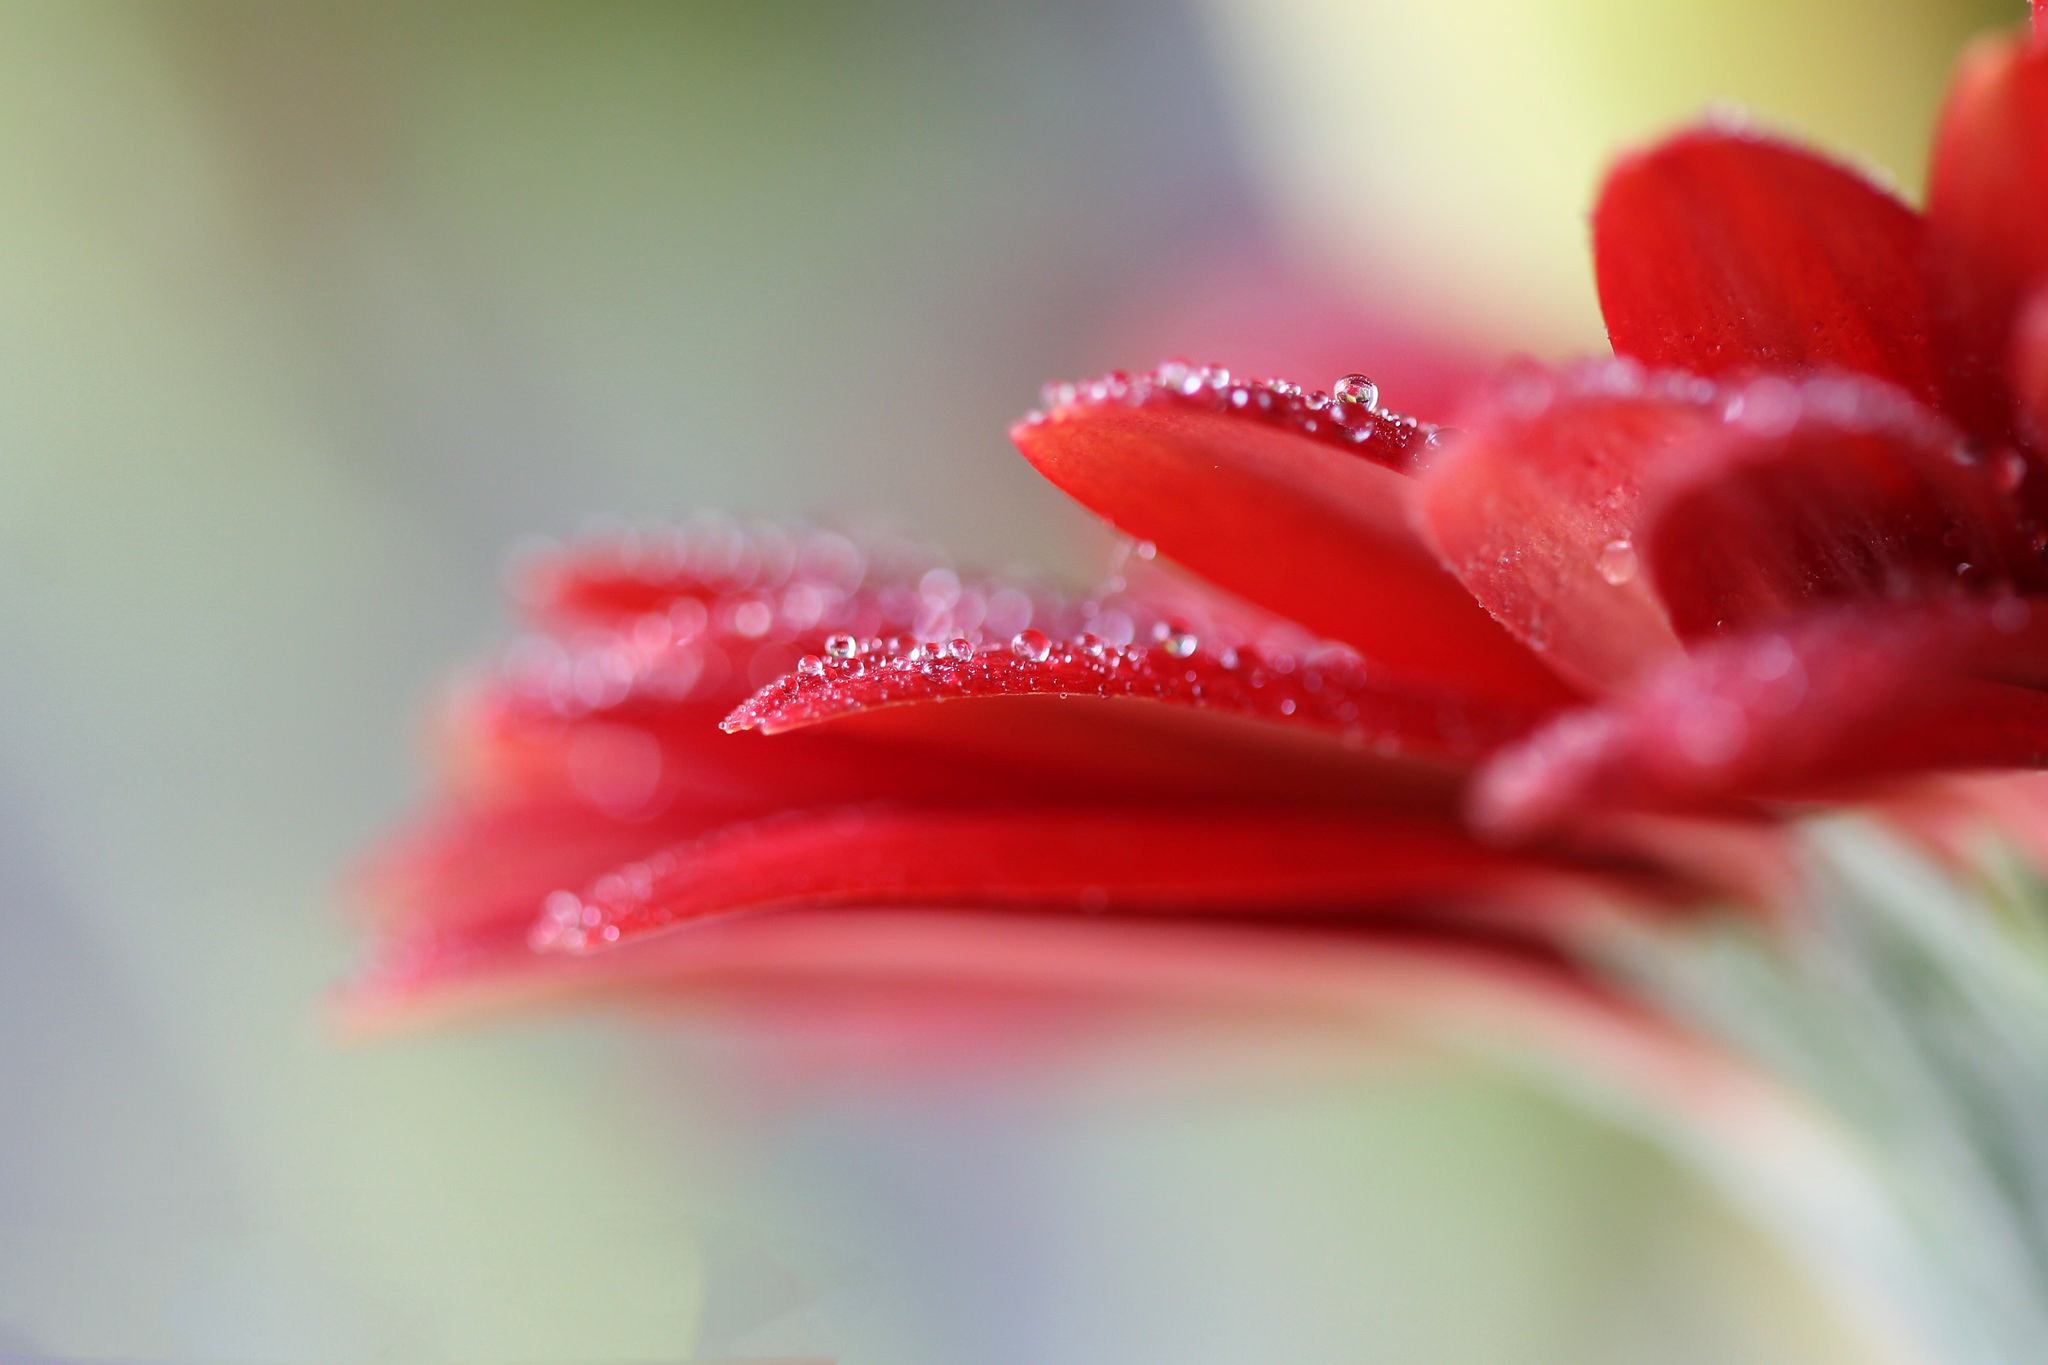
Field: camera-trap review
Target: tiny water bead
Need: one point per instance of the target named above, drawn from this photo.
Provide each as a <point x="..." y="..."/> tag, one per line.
<point x="1618" y="562"/>
<point x="1357" y="389"/>
<point x="1349" y="417"/>
<point x="1031" y="644"/>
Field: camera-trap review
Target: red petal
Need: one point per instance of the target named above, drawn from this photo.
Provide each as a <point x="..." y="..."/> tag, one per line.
<point x="1826" y="703"/>
<point x="1534" y="507"/>
<point x="1298" y="508"/>
<point x="1719" y="252"/>
<point x="1328" y="691"/>
<point x="2028" y="369"/>
<point x="1987" y="199"/>
<point x="1180" y="862"/>
<point x="1832" y="488"/>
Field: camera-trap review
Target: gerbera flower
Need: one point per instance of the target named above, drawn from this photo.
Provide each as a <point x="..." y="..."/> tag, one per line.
<point x="1789" y="545"/>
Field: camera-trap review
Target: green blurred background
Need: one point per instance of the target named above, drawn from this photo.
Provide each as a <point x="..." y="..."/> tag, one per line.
<point x="307" y="312"/>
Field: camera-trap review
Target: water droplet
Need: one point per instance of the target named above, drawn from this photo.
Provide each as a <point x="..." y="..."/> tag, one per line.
<point x="2012" y="471"/>
<point x="1091" y="644"/>
<point x="1287" y="706"/>
<point x="1617" y="562"/>
<point x="1032" y="645"/>
<point x="961" y="648"/>
<point x="1145" y="549"/>
<point x="811" y="665"/>
<point x="841" y="646"/>
<point x="1356" y="388"/>
<point x="1179" y="643"/>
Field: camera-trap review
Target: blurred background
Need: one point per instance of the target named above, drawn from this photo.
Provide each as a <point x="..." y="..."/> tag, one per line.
<point x="307" y="313"/>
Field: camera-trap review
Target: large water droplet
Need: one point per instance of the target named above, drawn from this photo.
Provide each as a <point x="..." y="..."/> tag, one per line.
<point x="1032" y="645"/>
<point x="961" y="648"/>
<point x="841" y="646"/>
<point x="1356" y="388"/>
<point x="811" y="665"/>
<point x="1618" y="562"/>
<point x="1091" y="644"/>
<point x="1179" y="643"/>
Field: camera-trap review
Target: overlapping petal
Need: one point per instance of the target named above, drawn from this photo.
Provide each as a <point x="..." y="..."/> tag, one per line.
<point x="1987" y="198"/>
<point x="1817" y="708"/>
<point x="1724" y="253"/>
<point x="1295" y="501"/>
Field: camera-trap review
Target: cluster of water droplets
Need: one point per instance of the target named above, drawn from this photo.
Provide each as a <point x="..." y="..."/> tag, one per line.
<point x="1349" y="415"/>
<point x="713" y="612"/>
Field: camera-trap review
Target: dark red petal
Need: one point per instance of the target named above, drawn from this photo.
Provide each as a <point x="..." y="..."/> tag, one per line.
<point x="2028" y="369"/>
<point x="1720" y="252"/>
<point x="1296" y="507"/>
<point x="1260" y="863"/>
<point x="1327" y="690"/>
<point x="1987" y="199"/>
<point x="1831" y="488"/>
<point x="1812" y="709"/>
<point x="1534" y="508"/>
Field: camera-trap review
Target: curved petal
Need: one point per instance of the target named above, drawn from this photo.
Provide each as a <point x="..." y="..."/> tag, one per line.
<point x="1721" y="252"/>
<point x="1297" y="507"/>
<point x="1534" y="506"/>
<point x="1832" y="488"/>
<point x="1987" y="197"/>
<point x="1328" y="690"/>
<point x="1812" y="709"/>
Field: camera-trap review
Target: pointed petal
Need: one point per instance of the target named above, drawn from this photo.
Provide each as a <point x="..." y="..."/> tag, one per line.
<point x="1812" y="709"/>
<point x="1721" y="252"/>
<point x="1829" y="489"/>
<point x="1296" y="507"/>
<point x="1534" y="506"/>
<point x="1987" y="198"/>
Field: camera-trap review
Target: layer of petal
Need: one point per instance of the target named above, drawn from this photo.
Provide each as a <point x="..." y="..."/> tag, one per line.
<point x="1075" y="859"/>
<point x="1831" y="488"/>
<point x="1534" y="507"/>
<point x="1281" y="505"/>
<point x="1720" y="252"/>
<point x="1987" y="200"/>
<point x="1813" y="709"/>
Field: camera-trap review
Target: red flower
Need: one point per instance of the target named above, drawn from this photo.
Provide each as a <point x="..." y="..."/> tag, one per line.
<point x="1789" y="545"/>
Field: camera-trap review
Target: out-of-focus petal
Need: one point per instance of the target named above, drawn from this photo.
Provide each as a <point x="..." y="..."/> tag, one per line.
<point x="1721" y="252"/>
<point x="2028" y="368"/>
<point x="1805" y="711"/>
<point x="1535" y="506"/>
<point x="1293" y="501"/>
<point x="1987" y="199"/>
<point x="1079" y="859"/>
<point x="1329" y="690"/>
<point x="1832" y="488"/>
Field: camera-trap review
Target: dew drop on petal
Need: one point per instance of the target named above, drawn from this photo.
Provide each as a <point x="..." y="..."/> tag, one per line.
<point x="1179" y="643"/>
<point x="2011" y="471"/>
<point x="961" y="648"/>
<point x="811" y="665"/>
<point x="1356" y="388"/>
<point x="1091" y="644"/>
<point x="1032" y="645"/>
<point x="841" y="646"/>
<point x="1618" y="562"/>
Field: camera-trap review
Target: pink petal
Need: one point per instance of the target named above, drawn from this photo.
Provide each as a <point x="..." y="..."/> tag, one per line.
<point x="1293" y="501"/>
<point x="1534" y="509"/>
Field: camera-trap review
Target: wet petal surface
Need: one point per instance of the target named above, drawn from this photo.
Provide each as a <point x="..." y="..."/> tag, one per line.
<point x="1296" y="502"/>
